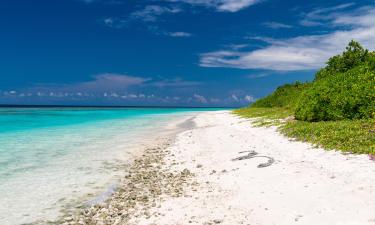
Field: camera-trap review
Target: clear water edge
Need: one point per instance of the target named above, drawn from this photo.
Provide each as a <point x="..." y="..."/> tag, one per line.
<point x="62" y="162"/>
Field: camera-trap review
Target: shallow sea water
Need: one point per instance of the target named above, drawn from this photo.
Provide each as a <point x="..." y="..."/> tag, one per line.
<point x="51" y="158"/>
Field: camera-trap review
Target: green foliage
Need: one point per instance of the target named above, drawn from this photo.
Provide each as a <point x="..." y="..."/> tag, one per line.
<point x="285" y="96"/>
<point x="269" y="113"/>
<point x="371" y="61"/>
<point x="336" y="110"/>
<point x="264" y="116"/>
<point x="345" y="89"/>
<point x="354" y="55"/>
<point x="356" y="136"/>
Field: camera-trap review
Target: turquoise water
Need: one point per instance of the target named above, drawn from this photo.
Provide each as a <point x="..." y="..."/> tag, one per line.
<point x="23" y="119"/>
<point x="51" y="157"/>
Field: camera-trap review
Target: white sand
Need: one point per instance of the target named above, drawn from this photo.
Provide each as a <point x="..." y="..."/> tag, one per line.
<point x="305" y="185"/>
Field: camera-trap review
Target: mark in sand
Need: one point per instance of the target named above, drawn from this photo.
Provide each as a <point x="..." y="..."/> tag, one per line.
<point x="253" y="154"/>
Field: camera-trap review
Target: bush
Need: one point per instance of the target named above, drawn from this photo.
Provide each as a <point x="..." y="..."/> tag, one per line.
<point x="354" y="55"/>
<point x="285" y="96"/>
<point x="344" y="95"/>
<point x="344" y="89"/>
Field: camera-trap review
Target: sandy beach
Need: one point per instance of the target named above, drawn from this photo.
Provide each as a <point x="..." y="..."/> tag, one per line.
<point x="192" y="179"/>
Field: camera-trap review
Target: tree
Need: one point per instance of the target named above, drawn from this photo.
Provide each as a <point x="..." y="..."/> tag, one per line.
<point x="353" y="56"/>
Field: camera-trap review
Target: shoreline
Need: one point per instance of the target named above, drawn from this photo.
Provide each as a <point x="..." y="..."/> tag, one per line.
<point x="132" y="147"/>
<point x="192" y="180"/>
<point x="147" y="161"/>
<point x="161" y="136"/>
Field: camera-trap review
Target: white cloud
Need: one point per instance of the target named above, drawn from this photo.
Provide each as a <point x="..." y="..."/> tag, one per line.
<point x="249" y="98"/>
<point x="237" y="46"/>
<point x="221" y="5"/>
<point x="109" y="2"/>
<point x="302" y="52"/>
<point x="114" y="22"/>
<point x="364" y="17"/>
<point x="235" y="5"/>
<point x="179" y="34"/>
<point x="200" y="98"/>
<point x="110" y="81"/>
<point x="178" y="82"/>
<point x="276" y="25"/>
<point x="320" y="16"/>
<point x="259" y="75"/>
<point x="235" y="98"/>
<point x="99" y="83"/>
<point x="148" y="14"/>
<point x="151" y="12"/>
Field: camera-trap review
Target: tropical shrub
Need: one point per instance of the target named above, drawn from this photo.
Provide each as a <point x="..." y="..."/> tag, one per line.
<point x="354" y="55"/>
<point x="344" y="95"/>
<point x="344" y="89"/>
<point x="284" y="96"/>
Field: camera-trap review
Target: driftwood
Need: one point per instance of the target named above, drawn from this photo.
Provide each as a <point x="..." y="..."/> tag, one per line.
<point x="254" y="154"/>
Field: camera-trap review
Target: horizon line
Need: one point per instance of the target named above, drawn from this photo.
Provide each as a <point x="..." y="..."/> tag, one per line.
<point x="103" y="106"/>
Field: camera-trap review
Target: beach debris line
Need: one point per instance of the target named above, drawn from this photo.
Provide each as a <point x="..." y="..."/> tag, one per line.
<point x="254" y="154"/>
<point x="148" y="182"/>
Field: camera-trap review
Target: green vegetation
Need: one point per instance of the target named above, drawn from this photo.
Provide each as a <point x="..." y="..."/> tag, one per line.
<point x="265" y="116"/>
<point x="356" y="136"/>
<point x="344" y="89"/>
<point x="284" y="96"/>
<point x="355" y="55"/>
<point x="335" y="111"/>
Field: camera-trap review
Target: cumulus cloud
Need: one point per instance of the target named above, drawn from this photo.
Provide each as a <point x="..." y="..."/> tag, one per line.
<point x="121" y="98"/>
<point x="302" y="52"/>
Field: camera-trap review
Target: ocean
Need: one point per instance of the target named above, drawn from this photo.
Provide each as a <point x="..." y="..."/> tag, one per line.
<point x="53" y="159"/>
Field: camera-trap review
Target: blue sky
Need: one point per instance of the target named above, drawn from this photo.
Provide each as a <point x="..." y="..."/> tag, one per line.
<point x="169" y="52"/>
